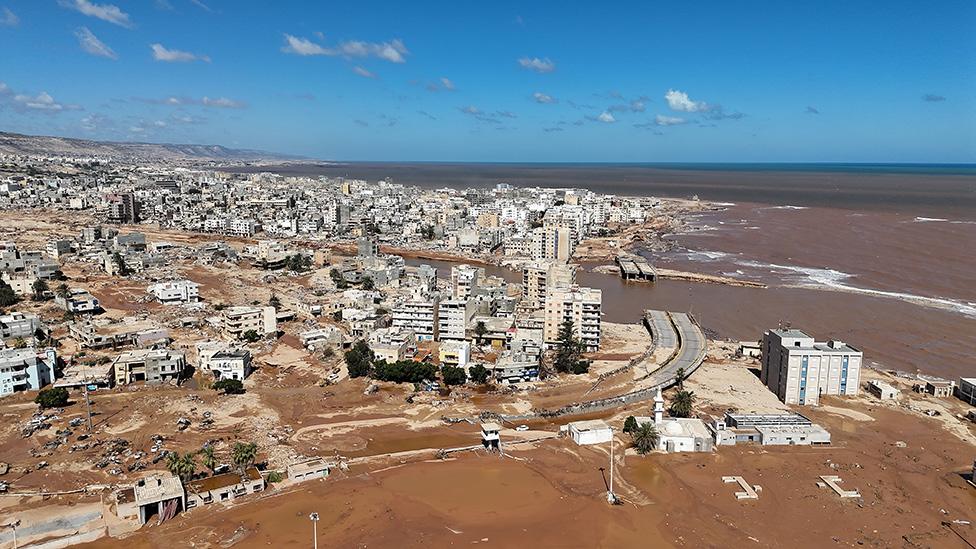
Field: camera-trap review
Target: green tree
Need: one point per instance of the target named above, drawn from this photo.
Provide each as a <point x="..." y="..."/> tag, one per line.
<point x="453" y="375"/>
<point x="645" y="438"/>
<point x="7" y="295"/>
<point x="243" y="455"/>
<point x="630" y="424"/>
<point x="229" y="386"/>
<point x="181" y="465"/>
<point x="274" y="301"/>
<point x="367" y="283"/>
<point x="209" y="458"/>
<point x="569" y="351"/>
<point x="56" y="397"/>
<point x="250" y="336"/>
<point x="39" y="287"/>
<point x="682" y="403"/>
<point x="120" y="264"/>
<point x="428" y="232"/>
<point x="62" y="291"/>
<point x="480" y="330"/>
<point x="479" y="374"/>
<point x="404" y="371"/>
<point x="20" y="343"/>
<point x="359" y="359"/>
<point x="679" y="378"/>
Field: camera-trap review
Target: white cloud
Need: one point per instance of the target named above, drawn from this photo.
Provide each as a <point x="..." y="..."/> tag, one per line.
<point x="161" y="53"/>
<point x="606" y="117"/>
<point x="41" y="102"/>
<point x="222" y="102"/>
<point x="471" y="109"/>
<point x="543" y="98"/>
<point x="363" y="72"/>
<point x="201" y="5"/>
<point x="679" y="101"/>
<point x="105" y="12"/>
<point x="392" y="51"/>
<point x="446" y="82"/>
<point x="537" y="65"/>
<point x="91" y="44"/>
<point x="661" y="120"/>
<point x="9" y="18"/>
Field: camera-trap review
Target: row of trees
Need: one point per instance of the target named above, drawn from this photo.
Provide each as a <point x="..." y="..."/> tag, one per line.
<point x="184" y="465"/>
<point x="362" y="363"/>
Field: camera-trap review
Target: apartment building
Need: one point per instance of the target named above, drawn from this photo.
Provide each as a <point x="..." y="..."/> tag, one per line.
<point x="799" y="369"/>
<point x="239" y="320"/>
<point x="176" y="291"/>
<point x="26" y="369"/>
<point x="122" y="208"/>
<point x="149" y="365"/>
<point x="581" y="306"/>
<point x="463" y="279"/>
<point x="538" y="277"/>
<point x="551" y="244"/>
<point x="419" y="315"/>
<point x="453" y="316"/>
<point x="15" y="325"/>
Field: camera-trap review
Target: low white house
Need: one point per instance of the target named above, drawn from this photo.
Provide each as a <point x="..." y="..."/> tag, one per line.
<point x="176" y="291"/>
<point x="224" y="362"/>
<point x="594" y="431"/>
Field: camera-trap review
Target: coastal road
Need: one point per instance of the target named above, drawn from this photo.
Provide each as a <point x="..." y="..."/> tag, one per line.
<point x="692" y="349"/>
<point x="662" y="330"/>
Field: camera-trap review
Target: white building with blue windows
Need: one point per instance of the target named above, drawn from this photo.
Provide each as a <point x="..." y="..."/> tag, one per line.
<point x="799" y="369"/>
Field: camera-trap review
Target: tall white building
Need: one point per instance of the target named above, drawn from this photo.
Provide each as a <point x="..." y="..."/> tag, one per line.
<point x="799" y="369"/>
<point x="463" y="279"/>
<point x="581" y="306"/>
<point x="453" y="316"/>
<point x="538" y="278"/>
<point x="26" y="369"/>
<point x="551" y="243"/>
<point x="419" y="315"/>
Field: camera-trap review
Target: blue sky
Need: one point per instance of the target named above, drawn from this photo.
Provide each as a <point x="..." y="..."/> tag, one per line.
<point x="501" y="81"/>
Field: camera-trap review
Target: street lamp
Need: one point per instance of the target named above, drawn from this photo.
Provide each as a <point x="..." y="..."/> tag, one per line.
<point x="314" y="517"/>
<point x="13" y="526"/>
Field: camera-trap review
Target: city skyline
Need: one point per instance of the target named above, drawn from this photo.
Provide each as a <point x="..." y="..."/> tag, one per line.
<point x="515" y="83"/>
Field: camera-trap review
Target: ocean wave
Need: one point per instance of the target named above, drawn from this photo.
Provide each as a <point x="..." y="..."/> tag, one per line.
<point x="707" y="255"/>
<point x="930" y="220"/>
<point x="831" y="279"/>
<point x="787" y="207"/>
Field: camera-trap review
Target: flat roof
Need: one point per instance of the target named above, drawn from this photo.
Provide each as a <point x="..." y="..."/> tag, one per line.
<point x="589" y="425"/>
<point x="224" y="480"/>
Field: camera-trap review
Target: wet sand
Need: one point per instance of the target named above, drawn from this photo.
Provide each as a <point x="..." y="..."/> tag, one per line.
<point x="554" y="496"/>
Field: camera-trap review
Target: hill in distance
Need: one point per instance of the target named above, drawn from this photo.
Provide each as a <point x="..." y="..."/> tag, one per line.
<point x="14" y="143"/>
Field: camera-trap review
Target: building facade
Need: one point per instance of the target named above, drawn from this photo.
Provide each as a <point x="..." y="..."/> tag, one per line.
<point x="581" y="306"/>
<point x="799" y="369"/>
<point x="26" y="369"/>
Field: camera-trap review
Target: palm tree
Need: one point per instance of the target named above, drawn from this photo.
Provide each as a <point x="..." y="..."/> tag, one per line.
<point x="63" y="291"/>
<point x="209" y="458"/>
<point x="682" y="403"/>
<point x="244" y="455"/>
<point x="645" y="438"/>
<point x="181" y="465"/>
<point x="480" y="330"/>
<point x="679" y="378"/>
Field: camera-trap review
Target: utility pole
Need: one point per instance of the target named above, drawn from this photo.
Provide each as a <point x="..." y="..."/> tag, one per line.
<point x="88" y="405"/>
<point x="314" y="517"/>
<point x="611" y="497"/>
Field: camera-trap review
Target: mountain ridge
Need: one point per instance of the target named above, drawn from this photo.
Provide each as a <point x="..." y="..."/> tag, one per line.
<point x="23" y="144"/>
